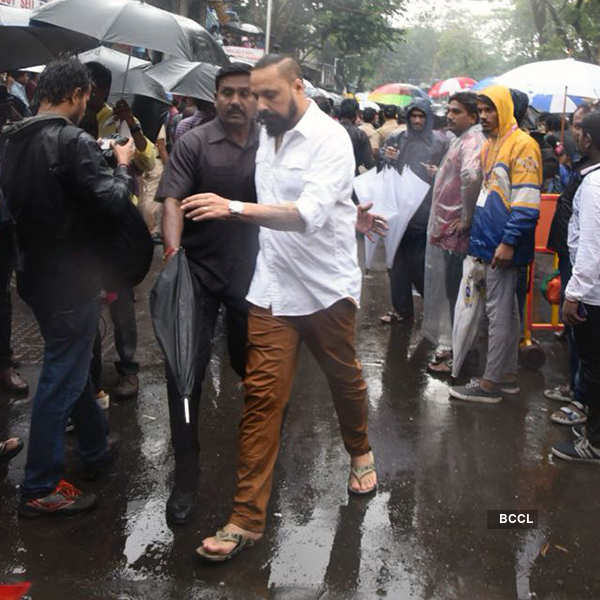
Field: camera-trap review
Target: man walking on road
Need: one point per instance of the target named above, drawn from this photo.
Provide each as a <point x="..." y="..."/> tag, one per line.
<point x="217" y="157"/>
<point x="502" y="237"/>
<point x="306" y="287"/>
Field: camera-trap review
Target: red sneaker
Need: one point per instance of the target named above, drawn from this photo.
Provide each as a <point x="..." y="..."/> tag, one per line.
<point x="66" y="499"/>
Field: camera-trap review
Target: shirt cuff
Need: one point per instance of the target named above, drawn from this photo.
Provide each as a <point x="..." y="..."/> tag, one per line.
<point x="310" y="214"/>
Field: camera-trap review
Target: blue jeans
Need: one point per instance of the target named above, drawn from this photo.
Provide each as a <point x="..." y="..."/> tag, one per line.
<point x="64" y="390"/>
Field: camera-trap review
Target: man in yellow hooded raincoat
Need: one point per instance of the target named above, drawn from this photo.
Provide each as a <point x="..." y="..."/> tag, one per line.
<point x="503" y="237"/>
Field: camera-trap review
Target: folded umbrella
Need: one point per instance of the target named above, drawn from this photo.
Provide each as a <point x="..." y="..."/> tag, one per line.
<point x="173" y="311"/>
<point x="185" y="78"/>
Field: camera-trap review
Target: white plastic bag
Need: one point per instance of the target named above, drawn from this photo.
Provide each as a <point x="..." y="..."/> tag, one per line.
<point x="395" y="197"/>
<point x="469" y="311"/>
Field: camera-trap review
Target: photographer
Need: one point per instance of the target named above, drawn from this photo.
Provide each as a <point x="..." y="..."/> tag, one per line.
<point x="60" y="190"/>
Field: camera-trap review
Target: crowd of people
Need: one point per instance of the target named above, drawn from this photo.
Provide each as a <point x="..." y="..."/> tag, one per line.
<point x="257" y="192"/>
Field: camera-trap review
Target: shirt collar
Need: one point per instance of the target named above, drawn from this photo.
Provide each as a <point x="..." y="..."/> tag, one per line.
<point x="589" y="169"/>
<point x="216" y="132"/>
<point x="306" y="125"/>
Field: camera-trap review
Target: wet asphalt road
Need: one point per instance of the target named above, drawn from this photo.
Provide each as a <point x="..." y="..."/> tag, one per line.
<point x="442" y="464"/>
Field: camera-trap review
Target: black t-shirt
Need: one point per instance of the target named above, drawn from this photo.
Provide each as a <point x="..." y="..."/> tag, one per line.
<point x="205" y="160"/>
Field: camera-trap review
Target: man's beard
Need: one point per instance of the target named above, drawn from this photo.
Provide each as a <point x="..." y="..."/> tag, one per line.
<point x="277" y="124"/>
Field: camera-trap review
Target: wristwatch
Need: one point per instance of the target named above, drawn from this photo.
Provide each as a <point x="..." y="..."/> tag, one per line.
<point x="236" y="207"/>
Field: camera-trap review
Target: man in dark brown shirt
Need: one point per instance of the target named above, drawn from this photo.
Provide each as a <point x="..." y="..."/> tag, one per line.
<point x="217" y="157"/>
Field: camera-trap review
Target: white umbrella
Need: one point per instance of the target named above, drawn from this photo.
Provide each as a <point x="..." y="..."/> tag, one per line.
<point x="552" y="76"/>
<point x="117" y="62"/>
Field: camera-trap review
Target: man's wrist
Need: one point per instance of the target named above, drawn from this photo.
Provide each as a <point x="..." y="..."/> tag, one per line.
<point x="572" y="300"/>
<point x="236" y="208"/>
<point x="170" y="251"/>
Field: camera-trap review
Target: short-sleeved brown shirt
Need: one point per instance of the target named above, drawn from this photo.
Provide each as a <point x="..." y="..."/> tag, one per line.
<point x="205" y="160"/>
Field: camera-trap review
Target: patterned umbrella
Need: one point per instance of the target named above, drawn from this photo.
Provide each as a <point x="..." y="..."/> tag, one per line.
<point x="399" y="94"/>
<point x="447" y="87"/>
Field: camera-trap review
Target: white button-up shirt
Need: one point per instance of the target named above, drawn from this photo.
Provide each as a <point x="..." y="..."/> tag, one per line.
<point x="302" y="273"/>
<point x="584" y="240"/>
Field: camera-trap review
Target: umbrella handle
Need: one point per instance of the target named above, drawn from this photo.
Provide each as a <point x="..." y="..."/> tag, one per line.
<point x="186" y="409"/>
<point x="126" y="72"/>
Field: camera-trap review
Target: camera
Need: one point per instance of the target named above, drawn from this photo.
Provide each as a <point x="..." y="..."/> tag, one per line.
<point x="106" y="147"/>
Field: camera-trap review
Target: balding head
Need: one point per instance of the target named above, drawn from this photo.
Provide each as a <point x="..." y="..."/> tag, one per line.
<point x="276" y="81"/>
<point x="287" y="67"/>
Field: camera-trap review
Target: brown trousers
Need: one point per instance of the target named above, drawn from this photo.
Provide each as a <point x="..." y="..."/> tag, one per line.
<point x="273" y="344"/>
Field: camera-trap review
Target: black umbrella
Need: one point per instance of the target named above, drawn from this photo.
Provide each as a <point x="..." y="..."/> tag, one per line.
<point x="135" y="23"/>
<point x="26" y="46"/>
<point x="174" y="317"/>
<point x="193" y="79"/>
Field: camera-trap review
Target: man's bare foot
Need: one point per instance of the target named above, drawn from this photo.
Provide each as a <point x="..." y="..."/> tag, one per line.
<point x="367" y="482"/>
<point x="214" y="545"/>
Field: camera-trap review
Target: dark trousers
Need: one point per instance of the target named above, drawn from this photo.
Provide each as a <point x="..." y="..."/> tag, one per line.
<point x="453" y="263"/>
<point x="565" y="268"/>
<point x="408" y="270"/>
<point x="64" y="390"/>
<point x="122" y="313"/>
<point x="184" y="437"/>
<point x="586" y="338"/>
<point x="5" y="302"/>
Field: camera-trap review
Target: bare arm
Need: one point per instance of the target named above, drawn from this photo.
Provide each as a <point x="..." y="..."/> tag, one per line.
<point x="283" y="217"/>
<point x="161" y="146"/>
<point x="172" y="223"/>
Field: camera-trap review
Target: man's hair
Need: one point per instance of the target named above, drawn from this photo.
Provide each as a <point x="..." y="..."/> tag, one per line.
<point x="348" y="108"/>
<point x="287" y="66"/>
<point x="369" y="115"/>
<point x="586" y="108"/>
<point x="323" y="103"/>
<point x="468" y="100"/>
<point x="60" y="79"/>
<point x="16" y="74"/>
<point x="486" y="100"/>
<point x="553" y="122"/>
<point x="100" y="75"/>
<point x="390" y="111"/>
<point x="591" y="126"/>
<point x="234" y="68"/>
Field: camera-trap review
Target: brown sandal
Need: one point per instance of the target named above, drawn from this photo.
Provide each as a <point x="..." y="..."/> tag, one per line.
<point x="359" y="473"/>
<point x="241" y="541"/>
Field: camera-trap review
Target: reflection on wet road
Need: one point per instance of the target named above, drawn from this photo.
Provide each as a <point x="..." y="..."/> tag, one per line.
<point x="441" y="466"/>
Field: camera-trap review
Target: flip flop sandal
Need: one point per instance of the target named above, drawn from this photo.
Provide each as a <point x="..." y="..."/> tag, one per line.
<point x="572" y="414"/>
<point x="359" y="473"/>
<point x="238" y="539"/>
<point x="5" y="454"/>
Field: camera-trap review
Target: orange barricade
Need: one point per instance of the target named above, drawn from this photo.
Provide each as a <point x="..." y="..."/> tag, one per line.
<point x="531" y="354"/>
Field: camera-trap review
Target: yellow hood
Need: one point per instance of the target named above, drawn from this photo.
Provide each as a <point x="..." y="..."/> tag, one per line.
<point x="502" y="100"/>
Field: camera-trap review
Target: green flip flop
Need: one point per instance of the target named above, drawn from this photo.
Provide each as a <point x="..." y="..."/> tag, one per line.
<point x="238" y="539"/>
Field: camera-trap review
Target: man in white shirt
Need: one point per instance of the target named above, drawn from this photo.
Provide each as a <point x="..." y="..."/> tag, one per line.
<point x="581" y="307"/>
<point x="306" y="287"/>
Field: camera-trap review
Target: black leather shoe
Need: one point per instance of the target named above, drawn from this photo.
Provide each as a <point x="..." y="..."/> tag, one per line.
<point x="180" y="505"/>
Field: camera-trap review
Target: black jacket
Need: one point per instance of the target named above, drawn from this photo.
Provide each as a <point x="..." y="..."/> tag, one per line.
<point x="60" y="192"/>
<point x="415" y="149"/>
<point x="363" y="155"/>
<point x="559" y="230"/>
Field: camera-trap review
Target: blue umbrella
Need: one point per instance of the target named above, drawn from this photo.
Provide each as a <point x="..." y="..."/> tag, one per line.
<point x="481" y="85"/>
<point x="554" y="103"/>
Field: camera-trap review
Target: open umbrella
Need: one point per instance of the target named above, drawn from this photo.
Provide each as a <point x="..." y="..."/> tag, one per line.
<point x="483" y="83"/>
<point x="550" y="77"/>
<point x="25" y="46"/>
<point x="174" y="317"/>
<point x="447" y="87"/>
<point x="117" y="62"/>
<point x="399" y="94"/>
<point x="135" y="23"/>
<point x="185" y="78"/>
